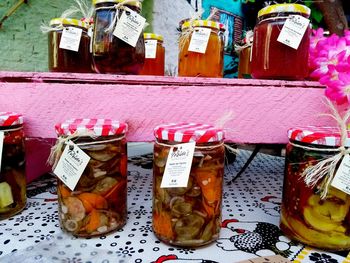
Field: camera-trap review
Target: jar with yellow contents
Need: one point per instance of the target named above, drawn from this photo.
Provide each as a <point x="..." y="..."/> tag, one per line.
<point x="154" y="55"/>
<point x="201" y="49"/>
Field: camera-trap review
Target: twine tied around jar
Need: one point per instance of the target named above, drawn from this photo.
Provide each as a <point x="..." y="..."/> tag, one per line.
<point x="57" y="149"/>
<point x="186" y="33"/>
<point x="247" y="41"/>
<point x="118" y="7"/>
<point x="81" y="7"/>
<point x="325" y="170"/>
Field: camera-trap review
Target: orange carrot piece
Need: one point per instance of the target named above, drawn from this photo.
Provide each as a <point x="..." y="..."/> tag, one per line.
<point x="162" y="225"/>
<point x="95" y="200"/>
<point x="94" y="221"/>
<point x="210" y="184"/>
<point x="64" y="191"/>
<point x="87" y="205"/>
<point x="116" y="190"/>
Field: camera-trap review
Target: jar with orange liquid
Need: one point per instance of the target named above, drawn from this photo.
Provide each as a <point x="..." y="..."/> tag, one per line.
<point x="201" y="49"/>
<point x="154" y="55"/>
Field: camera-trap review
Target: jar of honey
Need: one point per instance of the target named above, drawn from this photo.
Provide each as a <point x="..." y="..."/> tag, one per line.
<point x="188" y="214"/>
<point x="308" y="214"/>
<point x="109" y="53"/>
<point x="245" y="56"/>
<point x="201" y="49"/>
<point x="154" y="55"/>
<point x="69" y="58"/>
<point x="272" y="59"/>
<point x="98" y="203"/>
<point x="12" y="165"/>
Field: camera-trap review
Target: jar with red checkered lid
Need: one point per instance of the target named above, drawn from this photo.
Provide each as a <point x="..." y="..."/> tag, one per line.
<point x="314" y="211"/>
<point x="188" y="215"/>
<point x="12" y="165"/>
<point x="98" y="203"/>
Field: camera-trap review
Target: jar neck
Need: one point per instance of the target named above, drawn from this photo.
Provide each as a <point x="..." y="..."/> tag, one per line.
<point x="111" y="7"/>
<point x="11" y="128"/>
<point x="198" y="145"/>
<point x="314" y="147"/>
<point x="280" y="15"/>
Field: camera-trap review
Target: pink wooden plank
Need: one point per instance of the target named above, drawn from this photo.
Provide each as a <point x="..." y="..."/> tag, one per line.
<point x="262" y="110"/>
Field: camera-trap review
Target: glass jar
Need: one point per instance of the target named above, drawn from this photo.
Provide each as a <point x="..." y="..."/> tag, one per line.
<point x="272" y="59"/>
<point x="244" y="64"/>
<point x="305" y="215"/>
<point x="155" y="55"/>
<point x="64" y="60"/>
<point x="98" y="204"/>
<point x="208" y="64"/>
<point x="189" y="216"/>
<point x="12" y="165"/>
<point x="109" y="53"/>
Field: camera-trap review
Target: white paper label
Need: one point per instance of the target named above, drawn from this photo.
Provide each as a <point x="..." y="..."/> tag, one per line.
<point x="293" y="31"/>
<point x="2" y="136"/>
<point x="199" y="40"/>
<point x="151" y="48"/>
<point x="178" y="165"/>
<point x="71" y="165"/>
<point x="129" y="27"/>
<point x="341" y="179"/>
<point x="90" y="34"/>
<point x="70" y="38"/>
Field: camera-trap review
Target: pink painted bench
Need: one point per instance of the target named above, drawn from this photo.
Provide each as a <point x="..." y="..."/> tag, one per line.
<point x="262" y="110"/>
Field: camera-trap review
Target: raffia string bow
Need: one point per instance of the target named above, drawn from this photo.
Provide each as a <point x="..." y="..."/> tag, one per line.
<point x="325" y="170"/>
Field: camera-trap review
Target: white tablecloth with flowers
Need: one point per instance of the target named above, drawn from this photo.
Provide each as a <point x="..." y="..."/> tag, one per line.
<point x="250" y="210"/>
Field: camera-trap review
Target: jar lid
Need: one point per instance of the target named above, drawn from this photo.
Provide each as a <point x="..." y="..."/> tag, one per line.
<point x="206" y="23"/>
<point x="189" y="132"/>
<point x="285" y="8"/>
<point x="99" y="127"/>
<point x="10" y="119"/>
<point x="131" y="3"/>
<point x="153" y="36"/>
<point x="326" y="136"/>
<point x="68" y="22"/>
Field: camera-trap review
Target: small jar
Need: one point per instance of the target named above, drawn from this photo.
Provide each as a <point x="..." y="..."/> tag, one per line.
<point x="195" y="64"/>
<point x="64" y="60"/>
<point x="244" y="64"/>
<point x="98" y="204"/>
<point x="154" y="55"/>
<point x="109" y="53"/>
<point x="305" y="215"/>
<point x="272" y="59"/>
<point x="189" y="216"/>
<point x="12" y="165"/>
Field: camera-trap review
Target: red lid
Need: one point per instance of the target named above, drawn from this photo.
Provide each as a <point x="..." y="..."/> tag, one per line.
<point x="100" y="127"/>
<point x="189" y="132"/>
<point x="327" y="136"/>
<point x="10" y="119"/>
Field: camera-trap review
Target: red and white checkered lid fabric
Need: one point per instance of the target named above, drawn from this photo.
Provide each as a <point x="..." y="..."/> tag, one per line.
<point x="10" y="119"/>
<point x="327" y="136"/>
<point x="189" y="132"/>
<point x="99" y="127"/>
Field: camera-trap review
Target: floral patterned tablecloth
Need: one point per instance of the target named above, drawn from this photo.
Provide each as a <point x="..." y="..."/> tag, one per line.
<point x="249" y="228"/>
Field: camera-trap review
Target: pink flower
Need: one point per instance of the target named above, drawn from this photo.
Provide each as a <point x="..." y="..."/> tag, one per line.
<point x="338" y="90"/>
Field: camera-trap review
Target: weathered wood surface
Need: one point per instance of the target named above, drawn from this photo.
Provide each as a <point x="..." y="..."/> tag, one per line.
<point x="262" y="110"/>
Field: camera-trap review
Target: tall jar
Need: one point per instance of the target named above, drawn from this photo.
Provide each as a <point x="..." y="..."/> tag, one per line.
<point x="154" y="55"/>
<point x="305" y="215"/>
<point x="109" y="53"/>
<point x="272" y="59"/>
<point x="189" y="216"/>
<point x="98" y="203"/>
<point x="12" y="165"/>
<point x="62" y="59"/>
<point x="196" y="63"/>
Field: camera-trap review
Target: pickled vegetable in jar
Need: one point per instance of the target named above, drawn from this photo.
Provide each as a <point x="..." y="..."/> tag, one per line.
<point x="189" y="216"/>
<point x="12" y="165"/>
<point x="272" y="59"/>
<point x="109" y="53"/>
<point x="306" y="216"/>
<point x="154" y="55"/>
<point x="197" y="63"/>
<point x="62" y="59"/>
<point x="98" y="204"/>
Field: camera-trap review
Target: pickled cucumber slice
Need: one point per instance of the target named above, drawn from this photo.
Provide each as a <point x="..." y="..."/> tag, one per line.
<point x="319" y="222"/>
<point x="6" y="197"/>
